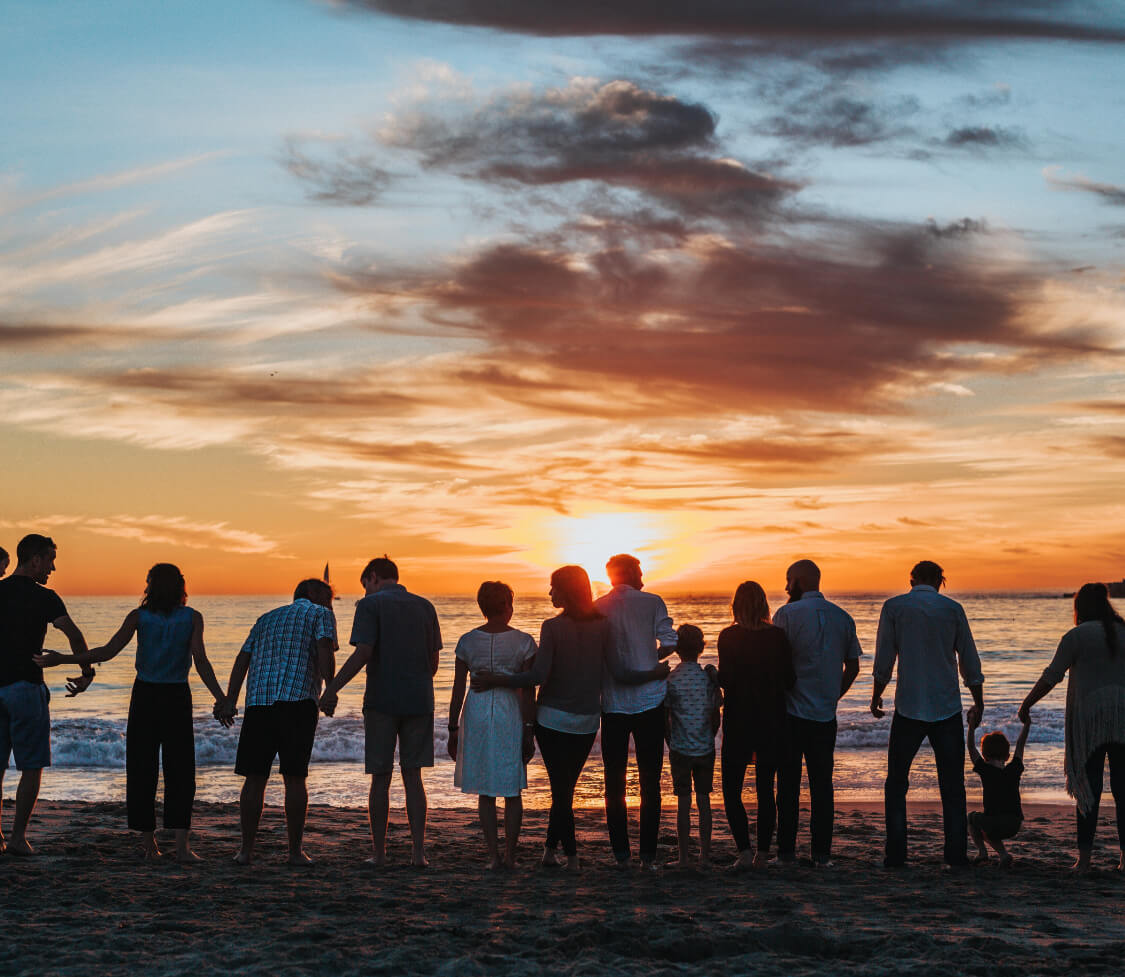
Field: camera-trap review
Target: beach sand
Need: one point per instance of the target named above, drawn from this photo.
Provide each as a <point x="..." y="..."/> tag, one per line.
<point x="87" y="905"/>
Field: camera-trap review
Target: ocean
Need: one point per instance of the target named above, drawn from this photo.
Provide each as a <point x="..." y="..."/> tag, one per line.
<point x="1015" y="633"/>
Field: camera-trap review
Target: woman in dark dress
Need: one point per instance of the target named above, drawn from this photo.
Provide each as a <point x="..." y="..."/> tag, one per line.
<point x="755" y="671"/>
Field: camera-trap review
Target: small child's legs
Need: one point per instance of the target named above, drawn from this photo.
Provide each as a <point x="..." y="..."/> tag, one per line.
<point x="690" y="772"/>
<point x="683" y="826"/>
<point x="995" y="830"/>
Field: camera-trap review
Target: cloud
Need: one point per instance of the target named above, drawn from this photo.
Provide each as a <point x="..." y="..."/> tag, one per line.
<point x="812" y="19"/>
<point x="347" y="177"/>
<point x="1110" y="193"/>
<point x="822" y="117"/>
<point x="616" y="134"/>
<point x="168" y="531"/>
<point x="984" y="137"/>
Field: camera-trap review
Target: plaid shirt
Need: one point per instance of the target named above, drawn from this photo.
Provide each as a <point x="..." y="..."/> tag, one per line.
<point x="282" y="650"/>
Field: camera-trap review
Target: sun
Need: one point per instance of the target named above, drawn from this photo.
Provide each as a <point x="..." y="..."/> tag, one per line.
<point x="590" y="539"/>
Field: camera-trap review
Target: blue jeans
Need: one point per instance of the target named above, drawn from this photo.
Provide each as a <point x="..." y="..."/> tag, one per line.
<point x="947" y="737"/>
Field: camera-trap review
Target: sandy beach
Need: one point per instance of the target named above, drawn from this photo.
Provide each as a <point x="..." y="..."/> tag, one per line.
<point x="86" y="905"/>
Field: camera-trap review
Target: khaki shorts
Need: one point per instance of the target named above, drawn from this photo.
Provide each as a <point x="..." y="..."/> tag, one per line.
<point x="414" y="735"/>
<point x="686" y="769"/>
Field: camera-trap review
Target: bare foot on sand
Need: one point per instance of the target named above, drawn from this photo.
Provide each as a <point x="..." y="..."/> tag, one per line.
<point x="20" y="848"/>
<point x="1082" y="866"/>
<point x="299" y="858"/>
<point x="187" y="857"/>
<point x="762" y="860"/>
<point x="243" y="857"/>
<point x="419" y="862"/>
<point x="572" y="863"/>
<point x="550" y="858"/>
<point x="376" y="861"/>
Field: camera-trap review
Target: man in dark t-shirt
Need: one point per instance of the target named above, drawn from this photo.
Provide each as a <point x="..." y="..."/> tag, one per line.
<point x="26" y="608"/>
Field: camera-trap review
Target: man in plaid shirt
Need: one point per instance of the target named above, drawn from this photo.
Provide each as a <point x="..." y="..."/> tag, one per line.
<point x="288" y="653"/>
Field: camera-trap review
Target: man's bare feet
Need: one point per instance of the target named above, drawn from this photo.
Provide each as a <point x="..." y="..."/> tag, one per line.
<point x="299" y="858"/>
<point x="243" y="857"/>
<point x="376" y="861"/>
<point x="187" y="857"/>
<point x="1081" y="866"/>
<point x="419" y="861"/>
<point x="550" y="858"/>
<point x="20" y="848"/>
<point x="572" y="863"/>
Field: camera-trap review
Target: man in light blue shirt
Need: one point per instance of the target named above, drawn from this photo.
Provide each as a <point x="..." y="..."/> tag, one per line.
<point x="929" y="636"/>
<point x="826" y="659"/>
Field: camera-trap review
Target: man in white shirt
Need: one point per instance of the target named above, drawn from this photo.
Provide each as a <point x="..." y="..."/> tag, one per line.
<point x="929" y="636"/>
<point x="643" y="635"/>
<point x="826" y="659"/>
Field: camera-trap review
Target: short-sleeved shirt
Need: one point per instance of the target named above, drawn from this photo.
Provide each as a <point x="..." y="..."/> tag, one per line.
<point x="693" y="697"/>
<point x="284" y="666"/>
<point x="402" y="629"/>
<point x="822" y="636"/>
<point x="26" y="608"/>
<point x="1001" y="788"/>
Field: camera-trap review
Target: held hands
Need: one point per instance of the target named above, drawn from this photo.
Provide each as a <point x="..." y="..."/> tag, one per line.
<point x="48" y="659"/>
<point x="877" y="709"/>
<point x="328" y="702"/>
<point x="225" y="711"/>
<point x="973" y="716"/>
<point x="528" y="744"/>
<point x="1025" y="714"/>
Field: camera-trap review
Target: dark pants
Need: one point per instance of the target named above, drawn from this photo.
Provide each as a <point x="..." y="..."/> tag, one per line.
<point x="815" y="743"/>
<point x="159" y="729"/>
<point x="734" y="764"/>
<point x="947" y="737"/>
<point x="1095" y="771"/>
<point x="647" y="730"/>
<point x="564" y="755"/>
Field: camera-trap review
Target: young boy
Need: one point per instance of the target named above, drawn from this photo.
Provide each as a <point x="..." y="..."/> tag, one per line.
<point x="692" y="703"/>
<point x="1000" y="781"/>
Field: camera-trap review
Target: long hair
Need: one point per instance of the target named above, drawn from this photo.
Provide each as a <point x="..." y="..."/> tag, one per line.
<point x="1091" y="603"/>
<point x="166" y="589"/>
<point x="573" y="585"/>
<point x="750" y="608"/>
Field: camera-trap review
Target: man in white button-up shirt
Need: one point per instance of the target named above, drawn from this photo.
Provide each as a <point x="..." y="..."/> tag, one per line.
<point x="643" y="635"/>
<point x="826" y="659"/>
<point x="929" y="636"/>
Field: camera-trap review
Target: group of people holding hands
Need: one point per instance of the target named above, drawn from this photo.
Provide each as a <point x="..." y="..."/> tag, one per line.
<point x="599" y="666"/>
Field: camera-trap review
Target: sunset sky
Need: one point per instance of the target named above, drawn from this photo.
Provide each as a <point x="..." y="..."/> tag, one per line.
<point x="493" y="286"/>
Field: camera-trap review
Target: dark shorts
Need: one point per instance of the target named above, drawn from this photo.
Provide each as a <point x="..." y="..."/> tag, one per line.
<point x="414" y="735"/>
<point x="25" y="725"/>
<point x="686" y="769"/>
<point x="285" y="730"/>
<point x="996" y="827"/>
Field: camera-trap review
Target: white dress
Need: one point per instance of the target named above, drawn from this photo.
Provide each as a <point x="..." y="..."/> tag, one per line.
<point x="490" y="746"/>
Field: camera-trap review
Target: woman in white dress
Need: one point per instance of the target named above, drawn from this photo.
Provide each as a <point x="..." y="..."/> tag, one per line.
<point x="491" y="737"/>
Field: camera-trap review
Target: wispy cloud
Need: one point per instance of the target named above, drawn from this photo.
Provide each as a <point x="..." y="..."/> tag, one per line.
<point x="1110" y="193"/>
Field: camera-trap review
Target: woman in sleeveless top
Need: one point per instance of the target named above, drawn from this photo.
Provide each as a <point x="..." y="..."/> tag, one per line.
<point x="487" y="735"/>
<point x="169" y="639"/>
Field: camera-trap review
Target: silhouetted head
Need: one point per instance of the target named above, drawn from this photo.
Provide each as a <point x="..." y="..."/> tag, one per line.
<point x="4" y="561"/>
<point x="35" y="557"/>
<point x="995" y="746"/>
<point x="801" y="578"/>
<point x="495" y="599"/>
<point x="927" y="572"/>
<point x="381" y="570"/>
<point x="315" y="590"/>
<point x="749" y="606"/>
<point x="689" y="642"/>
<point x="571" y="592"/>
<point x="624" y="569"/>
<point x="165" y="589"/>
<point x="1091" y="603"/>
